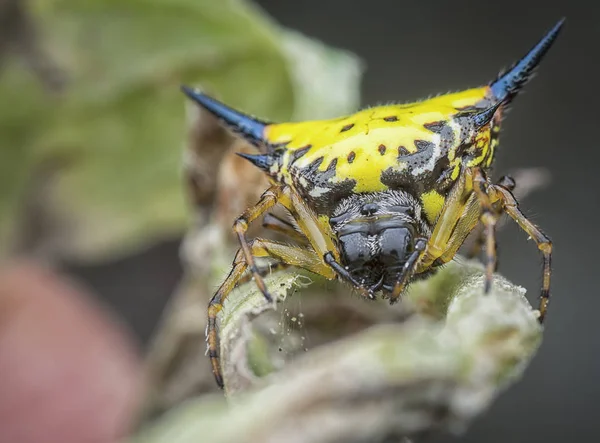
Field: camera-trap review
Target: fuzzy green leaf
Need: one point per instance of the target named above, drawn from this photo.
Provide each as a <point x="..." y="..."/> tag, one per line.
<point x="113" y="139"/>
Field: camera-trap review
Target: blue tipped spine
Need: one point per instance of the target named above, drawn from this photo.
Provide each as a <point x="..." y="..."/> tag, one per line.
<point x="262" y="161"/>
<point x="250" y="128"/>
<point x="508" y="84"/>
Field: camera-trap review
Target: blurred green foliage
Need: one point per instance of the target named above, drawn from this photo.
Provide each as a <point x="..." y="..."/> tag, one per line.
<point x="112" y="139"/>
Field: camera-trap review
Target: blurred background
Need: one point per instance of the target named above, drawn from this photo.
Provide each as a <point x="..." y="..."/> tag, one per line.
<point x="94" y="129"/>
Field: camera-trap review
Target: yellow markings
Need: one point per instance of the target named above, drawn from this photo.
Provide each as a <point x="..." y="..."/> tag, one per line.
<point x="490" y="157"/>
<point x="322" y="134"/>
<point x="433" y="203"/>
<point x="360" y="137"/>
<point x="456" y="171"/>
<point x="481" y="146"/>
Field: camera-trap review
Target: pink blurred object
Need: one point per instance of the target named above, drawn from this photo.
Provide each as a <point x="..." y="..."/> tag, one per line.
<point x="69" y="373"/>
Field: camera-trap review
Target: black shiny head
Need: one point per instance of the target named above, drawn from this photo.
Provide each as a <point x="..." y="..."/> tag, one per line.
<point x="376" y="235"/>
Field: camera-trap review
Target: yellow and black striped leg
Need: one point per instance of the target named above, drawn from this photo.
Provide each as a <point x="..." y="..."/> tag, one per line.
<point x="488" y="220"/>
<point x="304" y="258"/>
<point x="511" y="207"/>
<point x="240" y="227"/>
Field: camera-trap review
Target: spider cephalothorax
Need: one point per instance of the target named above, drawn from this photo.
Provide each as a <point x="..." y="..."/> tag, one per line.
<point x="383" y="196"/>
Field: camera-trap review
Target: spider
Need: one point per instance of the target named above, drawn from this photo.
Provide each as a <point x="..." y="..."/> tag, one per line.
<point x="382" y="197"/>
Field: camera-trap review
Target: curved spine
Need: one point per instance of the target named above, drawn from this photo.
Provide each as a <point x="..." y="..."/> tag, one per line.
<point x="509" y="83"/>
<point x="251" y="129"/>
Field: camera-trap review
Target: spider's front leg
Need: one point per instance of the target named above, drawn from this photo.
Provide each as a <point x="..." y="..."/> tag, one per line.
<point x="240" y="227"/>
<point x="408" y="269"/>
<point x="321" y="238"/>
<point x="304" y="258"/>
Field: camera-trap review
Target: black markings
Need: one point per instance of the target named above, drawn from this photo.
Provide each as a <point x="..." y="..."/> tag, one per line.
<point x="310" y="177"/>
<point x="382" y="149"/>
<point x="436" y="127"/>
<point x="391" y="118"/>
<point x="394" y="179"/>
<point x="402" y="150"/>
<point x="404" y="179"/>
<point x="347" y="127"/>
<point x="296" y="154"/>
<point x="331" y="168"/>
<point x="313" y="167"/>
<point x="369" y="209"/>
<point x="351" y="156"/>
<point x="465" y="130"/>
<point x="213" y="354"/>
<point x="423" y="145"/>
<point x="444" y="176"/>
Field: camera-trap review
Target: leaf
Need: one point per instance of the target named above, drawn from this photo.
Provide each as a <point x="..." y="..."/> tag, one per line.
<point x="114" y="137"/>
<point x="388" y="381"/>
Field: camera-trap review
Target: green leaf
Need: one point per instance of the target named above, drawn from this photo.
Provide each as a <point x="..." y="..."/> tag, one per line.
<point x="391" y="379"/>
<point x="118" y="130"/>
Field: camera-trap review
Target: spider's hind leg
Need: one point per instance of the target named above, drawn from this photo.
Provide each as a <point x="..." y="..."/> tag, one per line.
<point x="488" y="218"/>
<point x="511" y="207"/>
<point x="500" y="199"/>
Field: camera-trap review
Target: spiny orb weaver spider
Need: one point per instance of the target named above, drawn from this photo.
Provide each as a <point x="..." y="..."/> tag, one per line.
<point x="384" y="196"/>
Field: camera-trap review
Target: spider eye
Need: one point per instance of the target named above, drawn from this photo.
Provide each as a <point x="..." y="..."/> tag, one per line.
<point x="369" y="209"/>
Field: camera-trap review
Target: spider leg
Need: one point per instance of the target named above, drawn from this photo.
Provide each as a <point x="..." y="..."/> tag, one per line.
<point x="479" y="241"/>
<point x="320" y="237"/>
<point x="240" y="227"/>
<point x="511" y="207"/>
<point x="304" y="258"/>
<point x="451" y="227"/>
<point x="407" y="270"/>
<point x="488" y="218"/>
<point x="264" y="271"/>
<point x="277" y="224"/>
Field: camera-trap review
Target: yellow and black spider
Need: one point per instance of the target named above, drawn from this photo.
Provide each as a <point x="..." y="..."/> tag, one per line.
<point x="384" y="196"/>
